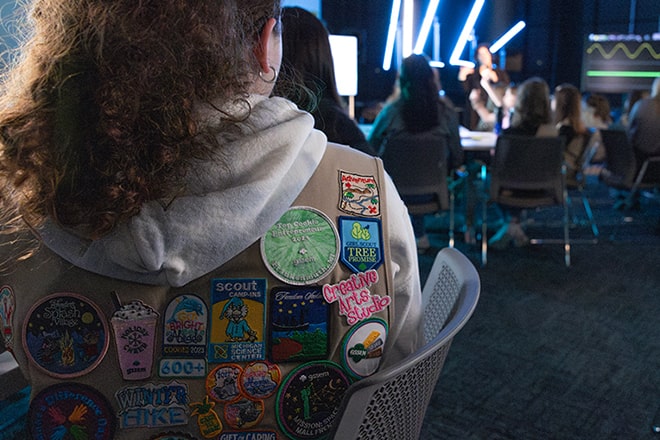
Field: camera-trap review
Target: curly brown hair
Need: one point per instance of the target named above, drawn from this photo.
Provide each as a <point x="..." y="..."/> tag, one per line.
<point x="98" y="115"/>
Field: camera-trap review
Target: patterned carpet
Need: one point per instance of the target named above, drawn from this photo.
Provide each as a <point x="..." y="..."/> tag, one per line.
<point x="554" y="352"/>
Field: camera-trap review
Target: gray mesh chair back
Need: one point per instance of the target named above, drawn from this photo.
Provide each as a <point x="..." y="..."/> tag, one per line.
<point x="390" y="405"/>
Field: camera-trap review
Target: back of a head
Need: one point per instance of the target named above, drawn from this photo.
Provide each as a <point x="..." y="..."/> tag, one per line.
<point x="568" y="102"/>
<point x="601" y="107"/>
<point x="419" y="93"/>
<point x="655" y="88"/>
<point x="306" y="56"/>
<point x="98" y="115"/>
<point x="532" y="103"/>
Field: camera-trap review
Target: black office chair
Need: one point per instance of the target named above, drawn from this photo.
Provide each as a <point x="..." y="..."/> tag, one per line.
<point x="529" y="172"/>
<point x="427" y="176"/>
<point x="622" y="171"/>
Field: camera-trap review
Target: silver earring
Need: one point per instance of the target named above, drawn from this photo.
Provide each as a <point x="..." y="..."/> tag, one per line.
<point x="269" y="81"/>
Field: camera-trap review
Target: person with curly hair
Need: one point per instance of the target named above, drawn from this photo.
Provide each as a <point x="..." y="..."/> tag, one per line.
<point x="147" y="179"/>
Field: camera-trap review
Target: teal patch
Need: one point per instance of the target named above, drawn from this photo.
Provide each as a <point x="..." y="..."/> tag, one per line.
<point x="153" y="405"/>
<point x="361" y="243"/>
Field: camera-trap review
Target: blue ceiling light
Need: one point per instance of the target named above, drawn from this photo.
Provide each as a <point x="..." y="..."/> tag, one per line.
<point x="454" y="59"/>
<point x="426" y="27"/>
<point x="391" y="34"/>
<point x="504" y="39"/>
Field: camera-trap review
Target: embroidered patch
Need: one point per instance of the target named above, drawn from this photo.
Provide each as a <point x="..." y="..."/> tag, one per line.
<point x="153" y="405"/>
<point x="355" y="300"/>
<point x="222" y="383"/>
<point x="65" y="335"/>
<point x="361" y="243"/>
<point x="208" y="421"/>
<point x="359" y="195"/>
<point x="363" y="347"/>
<point x="70" y="411"/>
<point x="302" y="247"/>
<point x="299" y="324"/>
<point x="308" y="399"/>
<point x="7" y="308"/>
<point x="259" y="380"/>
<point x="248" y="435"/>
<point x="185" y="327"/>
<point x="244" y="413"/>
<point x="188" y="368"/>
<point x="238" y="318"/>
<point x="134" y="325"/>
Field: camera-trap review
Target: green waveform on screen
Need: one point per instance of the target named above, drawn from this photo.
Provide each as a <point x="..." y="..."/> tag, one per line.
<point x="621" y="46"/>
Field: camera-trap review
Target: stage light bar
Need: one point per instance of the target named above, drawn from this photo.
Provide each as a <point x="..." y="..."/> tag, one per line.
<point x="426" y="27"/>
<point x="438" y="64"/>
<point x="408" y="16"/>
<point x="454" y="59"/>
<point x="497" y="45"/>
<point x="391" y="34"/>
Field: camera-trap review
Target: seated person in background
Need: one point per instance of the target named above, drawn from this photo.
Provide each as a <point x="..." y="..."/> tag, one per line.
<point x="631" y="99"/>
<point x="484" y="86"/>
<point x="532" y="117"/>
<point x="596" y="113"/>
<point x="418" y="118"/>
<point x="644" y="129"/>
<point x="568" y="119"/>
<point x="307" y="60"/>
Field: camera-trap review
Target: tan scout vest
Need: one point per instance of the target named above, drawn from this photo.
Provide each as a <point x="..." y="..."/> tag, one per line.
<point x="190" y="397"/>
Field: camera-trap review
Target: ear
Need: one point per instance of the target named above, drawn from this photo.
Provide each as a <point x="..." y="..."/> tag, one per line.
<point x="261" y="51"/>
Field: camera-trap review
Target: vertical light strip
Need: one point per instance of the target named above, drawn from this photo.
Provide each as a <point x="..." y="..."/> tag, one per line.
<point x="391" y="34"/>
<point x="508" y="35"/>
<point x="408" y="18"/>
<point x="454" y="59"/>
<point x="426" y="26"/>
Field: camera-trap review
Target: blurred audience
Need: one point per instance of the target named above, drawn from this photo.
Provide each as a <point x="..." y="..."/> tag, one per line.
<point x="307" y="59"/>
<point x="567" y="104"/>
<point x="532" y="117"/>
<point x="417" y="118"/>
<point x="644" y="128"/>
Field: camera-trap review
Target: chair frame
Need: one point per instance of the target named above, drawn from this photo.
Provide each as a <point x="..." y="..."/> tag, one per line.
<point x="506" y="169"/>
<point x="360" y="415"/>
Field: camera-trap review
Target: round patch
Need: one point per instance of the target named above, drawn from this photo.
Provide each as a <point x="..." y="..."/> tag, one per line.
<point x="244" y="413"/>
<point x="222" y="383"/>
<point x="259" y="380"/>
<point x="70" y="411"/>
<point x="65" y="335"/>
<point x="363" y="347"/>
<point x="302" y="247"/>
<point x="308" y="399"/>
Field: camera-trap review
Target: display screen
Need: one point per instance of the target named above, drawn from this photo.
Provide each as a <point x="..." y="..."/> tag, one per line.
<point x="615" y="63"/>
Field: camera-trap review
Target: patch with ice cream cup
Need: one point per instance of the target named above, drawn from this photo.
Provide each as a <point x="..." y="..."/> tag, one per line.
<point x="7" y="308"/>
<point x="361" y="243"/>
<point x="244" y="413"/>
<point x="222" y="383"/>
<point x="359" y="194"/>
<point x="302" y="247"/>
<point x="362" y="347"/>
<point x="259" y="380"/>
<point x="307" y="401"/>
<point x="134" y="325"/>
<point x="70" y="410"/>
<point x="65" y="335"/>
<point x="185" y="327"/>
<point x="298" y="324"/>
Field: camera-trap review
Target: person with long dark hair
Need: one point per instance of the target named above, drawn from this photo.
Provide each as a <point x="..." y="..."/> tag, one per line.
<point x="307" y="61"/>
<point x="170" y="232"/>
<point x="422" y="119"/>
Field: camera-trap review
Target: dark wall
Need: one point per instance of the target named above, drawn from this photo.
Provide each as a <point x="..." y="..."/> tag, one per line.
<point x="550" y="46"/>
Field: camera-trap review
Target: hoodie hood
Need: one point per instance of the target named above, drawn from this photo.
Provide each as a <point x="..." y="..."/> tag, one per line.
<point x="226" y="206"/>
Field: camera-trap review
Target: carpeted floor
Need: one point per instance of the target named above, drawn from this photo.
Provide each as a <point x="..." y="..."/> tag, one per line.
<point x="554" y="352"/>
